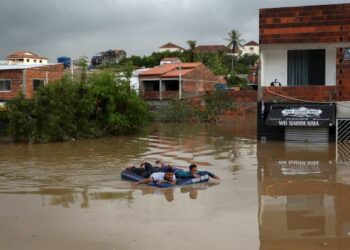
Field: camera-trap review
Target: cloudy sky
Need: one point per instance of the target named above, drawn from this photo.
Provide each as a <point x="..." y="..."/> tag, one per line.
<point x="54" y="28"/>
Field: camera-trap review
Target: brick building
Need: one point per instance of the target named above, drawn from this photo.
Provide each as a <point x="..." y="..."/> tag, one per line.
<point x="176" y="80"/>
<point x="213" y="49"/>
<point x="26" y="78"/>
<point x="305" y="68"/>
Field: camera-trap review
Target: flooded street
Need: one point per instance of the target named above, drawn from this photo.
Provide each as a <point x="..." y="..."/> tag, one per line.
<point x="272" y="195"/>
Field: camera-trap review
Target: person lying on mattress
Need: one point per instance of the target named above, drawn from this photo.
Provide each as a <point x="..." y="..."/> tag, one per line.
<point x="146" y="168"/>
<point x="194" y="173"/>
<point x="158" y="177"/>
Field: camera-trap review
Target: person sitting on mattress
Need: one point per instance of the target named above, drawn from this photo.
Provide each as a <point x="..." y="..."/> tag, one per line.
<point x="194" y="173"/>
<point x="158" y="177"/>
<point x="146" y="168"/>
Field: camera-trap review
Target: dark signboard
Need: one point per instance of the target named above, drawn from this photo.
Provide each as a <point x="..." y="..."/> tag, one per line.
<point x="301" y="115"/>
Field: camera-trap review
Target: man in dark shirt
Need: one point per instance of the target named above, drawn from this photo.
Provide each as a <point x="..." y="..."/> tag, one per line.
<point x="194" y="173"/>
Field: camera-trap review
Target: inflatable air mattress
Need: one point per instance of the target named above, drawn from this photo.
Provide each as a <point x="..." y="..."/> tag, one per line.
<point x="130" y="176"/>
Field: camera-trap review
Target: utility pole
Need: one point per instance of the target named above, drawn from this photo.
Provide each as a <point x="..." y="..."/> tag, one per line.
<point x="180" y="83"/>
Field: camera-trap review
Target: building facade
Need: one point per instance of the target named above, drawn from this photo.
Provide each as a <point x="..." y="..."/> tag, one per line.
<point x="305" y="71"/>
<point x="15" y="79"/>
<point x="177" y="80"/>
<point x="250" y="48"/>
<point x="170" y="47"/>
<point x="26" y="58"/>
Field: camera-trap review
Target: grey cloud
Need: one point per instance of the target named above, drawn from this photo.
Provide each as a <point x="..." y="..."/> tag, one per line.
<point x="63" y="27"/>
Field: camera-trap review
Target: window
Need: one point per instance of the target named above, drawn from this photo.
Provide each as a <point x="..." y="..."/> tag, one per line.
<point x="151" y="85"/>
<point x="40" y="61"/>
<point x="5" y="85"/>
<point x="35" y="60"/>
<point x="37" y="83"/>
<point x="347" y="54"/>
<point x="27" y="60"/>
<point x="306" y="67"/>
<point x="171" y="85"/>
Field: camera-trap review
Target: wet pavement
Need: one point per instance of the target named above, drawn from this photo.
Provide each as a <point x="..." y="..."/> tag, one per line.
<point x="272" y="195"/>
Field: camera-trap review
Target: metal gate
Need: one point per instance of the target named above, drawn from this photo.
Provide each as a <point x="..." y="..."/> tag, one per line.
<point x="343" y="140"/>
<point x="304" y="134"/>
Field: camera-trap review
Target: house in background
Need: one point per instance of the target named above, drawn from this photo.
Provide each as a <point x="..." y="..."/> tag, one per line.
<point x="108" y="57"/>
<point x="250" y="48"/>
<point x="213" y="49"/>
<point x="305" y="72"/>
<point x="170" y="47"/>
<point x="134" y="80"/>
<point x="176" y="80"/>
<point x="22" y="78"/>
<point x="170" y="60"/>
<point x="26" y="57"/>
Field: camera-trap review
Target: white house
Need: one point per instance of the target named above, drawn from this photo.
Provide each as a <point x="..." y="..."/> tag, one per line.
<point x="170" y="47"/>
<point x="134" y="80"/>
<point x="26" y="57"/>
<point x="250" y="48"/>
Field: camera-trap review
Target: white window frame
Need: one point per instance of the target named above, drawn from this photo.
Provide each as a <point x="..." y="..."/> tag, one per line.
<point x="3" y="80"/>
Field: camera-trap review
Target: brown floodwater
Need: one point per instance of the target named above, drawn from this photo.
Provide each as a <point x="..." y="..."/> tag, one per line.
<point x="272" y="195"/>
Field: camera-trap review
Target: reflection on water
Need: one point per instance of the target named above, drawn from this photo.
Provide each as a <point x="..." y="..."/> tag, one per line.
<point x="303" y="199"/>
<point x="271" y="196"/>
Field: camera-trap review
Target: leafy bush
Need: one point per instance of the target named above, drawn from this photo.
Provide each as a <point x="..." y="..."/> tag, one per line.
<point x="178" y="110"/>
<point x="216" y="103"/>
<point x="69" y="109"/>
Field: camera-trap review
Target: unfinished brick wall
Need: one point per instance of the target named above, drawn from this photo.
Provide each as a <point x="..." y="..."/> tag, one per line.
<point x="343" y="76"/>
<point x="244" y="95"/>
<point x="306" y="24"/>
<point x="52" y="72"/>
<point x="49" y="73"/>
<point x="16" y="77"/>
<point x="198" y="81"/>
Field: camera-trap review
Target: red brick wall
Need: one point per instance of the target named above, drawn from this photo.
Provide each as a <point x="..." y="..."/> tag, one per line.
<point x="309" y="93"/>
<point x="54" y="72"/>
<point x="306" y="24"/>
<point x="343" y="77"/>
<point x="16" y="83"/>
<point x="244" y="95"/>
<point x="206" y="81"/>
<point x="191" y="87"/>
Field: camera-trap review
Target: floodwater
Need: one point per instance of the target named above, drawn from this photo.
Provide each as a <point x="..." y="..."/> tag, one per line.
<point x="272" y="195"/>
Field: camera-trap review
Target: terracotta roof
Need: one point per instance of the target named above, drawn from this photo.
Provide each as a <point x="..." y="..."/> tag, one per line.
<point x="212" y="48"/>
<point x="24" y="54"/>
<point x="176" y="73"/>
<point x="170" y="46"/>
<point x="170" y="70"/>
<point x="251" y="43"/>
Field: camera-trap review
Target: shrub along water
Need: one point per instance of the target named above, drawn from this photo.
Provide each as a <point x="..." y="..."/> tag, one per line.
<point x="66" y="109"/>
<point x="181" y="110"/>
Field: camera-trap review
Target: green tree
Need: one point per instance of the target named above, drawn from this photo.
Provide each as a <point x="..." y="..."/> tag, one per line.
<point x="234" y="43"/>
<point x="66" y="109"/>
<point x="83" y="64"/>
<point x="192" y="49"/>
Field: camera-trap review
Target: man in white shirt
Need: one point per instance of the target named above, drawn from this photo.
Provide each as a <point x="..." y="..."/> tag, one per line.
<point x="159" y="177"/>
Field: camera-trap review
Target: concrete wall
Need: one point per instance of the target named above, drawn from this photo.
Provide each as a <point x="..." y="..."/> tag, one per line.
<point x="273" y="66"/>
